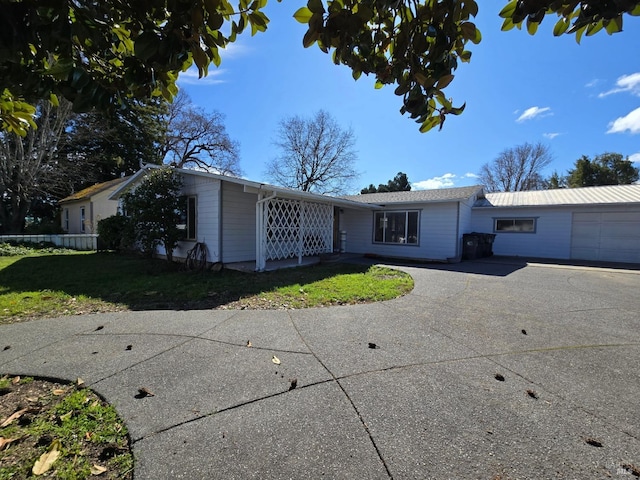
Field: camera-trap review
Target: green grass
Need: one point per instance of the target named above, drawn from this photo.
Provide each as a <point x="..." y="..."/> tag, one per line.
<point x="46" y="285"/>
<point x="86" y="430"/>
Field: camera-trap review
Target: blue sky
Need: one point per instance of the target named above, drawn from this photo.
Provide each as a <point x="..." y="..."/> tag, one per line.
<point x="578" y="99"/>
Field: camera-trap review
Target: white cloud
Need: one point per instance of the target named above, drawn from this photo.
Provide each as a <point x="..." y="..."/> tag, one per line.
<point x="233" y="50"/>
<point x="626" y="83"/>
<point x="445" y="181"/>
<point x="630" y="123"/>
<point x="592" y="83"/>
<point x="635" y="158"/>
<point x="190" y="77"/>
<point x="470" y="175"/>
<point x="533" y="112"/>
<point x="550" y="136"/>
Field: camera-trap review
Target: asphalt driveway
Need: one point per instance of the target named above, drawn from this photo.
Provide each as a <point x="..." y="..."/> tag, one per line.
<point x="487" y="370"/>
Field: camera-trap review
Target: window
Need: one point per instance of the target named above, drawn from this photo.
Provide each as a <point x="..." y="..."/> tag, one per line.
<point x="514" y="225"/>
<point x="187" y="221"/>
<point x="66" y="219"/>
<point x="82" y="219"/>
<point x="396" y="227"/>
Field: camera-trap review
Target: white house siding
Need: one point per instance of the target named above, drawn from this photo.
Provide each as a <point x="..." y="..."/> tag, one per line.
<point x="358" y="226"/>
<point x="74" y="216"/>
<point x="605" y="233"/>
<point x="437" y="238"/>
<point x="552" y="238"/>
<point x="207" y="216"/>
<point x="101" y="207"/>
<point x="95" y="209"/>
<point x="239" y="224"/>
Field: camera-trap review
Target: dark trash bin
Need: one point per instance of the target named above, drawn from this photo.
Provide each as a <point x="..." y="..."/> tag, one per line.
<point x="485" y="243"/>
<point x="477" y="245"/>
<point x="489" y="238"/>
<point x="469" y="246"/>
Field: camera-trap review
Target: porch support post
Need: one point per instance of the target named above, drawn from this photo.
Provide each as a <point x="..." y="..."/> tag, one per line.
<point x="260" y="256"/>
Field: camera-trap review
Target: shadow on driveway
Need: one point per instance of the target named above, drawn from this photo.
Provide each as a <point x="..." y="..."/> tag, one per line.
<point x="499" y="266"/>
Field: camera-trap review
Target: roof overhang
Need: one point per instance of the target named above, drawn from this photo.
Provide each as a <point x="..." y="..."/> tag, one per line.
<point x="249" y="187"/>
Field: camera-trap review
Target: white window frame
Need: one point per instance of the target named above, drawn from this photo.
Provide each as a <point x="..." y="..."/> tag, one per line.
<point x="189" y="222"/>
<point x="82" y="219"/>
<point x="66" y="219"/>
<point x="514" y="220"/>
<point x="383" y="215"/>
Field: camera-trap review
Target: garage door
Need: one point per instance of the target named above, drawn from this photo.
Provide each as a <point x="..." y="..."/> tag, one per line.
<point x="606" y="236"/>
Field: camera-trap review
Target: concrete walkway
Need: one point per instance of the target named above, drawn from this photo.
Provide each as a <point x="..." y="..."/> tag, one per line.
<point x="487" y="370"/>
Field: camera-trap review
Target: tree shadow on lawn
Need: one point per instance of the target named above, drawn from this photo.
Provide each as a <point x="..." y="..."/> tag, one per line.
<point x="145" y="284"/>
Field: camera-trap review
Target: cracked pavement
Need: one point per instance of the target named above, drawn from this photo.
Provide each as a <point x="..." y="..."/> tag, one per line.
<point x="489" y="369"/>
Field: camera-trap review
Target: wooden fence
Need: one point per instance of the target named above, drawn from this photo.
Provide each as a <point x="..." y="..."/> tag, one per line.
<point x="75" y="242"/>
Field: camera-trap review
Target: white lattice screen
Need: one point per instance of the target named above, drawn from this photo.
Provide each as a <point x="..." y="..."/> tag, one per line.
<point x="295" y="228"/>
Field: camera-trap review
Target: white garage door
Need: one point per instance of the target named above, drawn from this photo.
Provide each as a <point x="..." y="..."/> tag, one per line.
<point x="606" y="236"/>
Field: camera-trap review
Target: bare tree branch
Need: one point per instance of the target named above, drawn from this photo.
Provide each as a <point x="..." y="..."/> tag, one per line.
<point x="199" y="139"/>
<point x="517" y="169"/>
<point x="316" y="155"/>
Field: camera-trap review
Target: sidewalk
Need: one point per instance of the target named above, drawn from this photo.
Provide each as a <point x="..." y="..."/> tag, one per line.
<point x="424" y="403"/>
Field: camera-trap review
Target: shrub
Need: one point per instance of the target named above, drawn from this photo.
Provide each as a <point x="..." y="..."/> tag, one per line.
<point x="116" y="233"/>
<point x="12" y="248"/>
<point x="155" y="206"/>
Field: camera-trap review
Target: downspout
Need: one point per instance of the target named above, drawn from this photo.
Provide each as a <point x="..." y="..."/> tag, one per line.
<point x="220" y="210"/>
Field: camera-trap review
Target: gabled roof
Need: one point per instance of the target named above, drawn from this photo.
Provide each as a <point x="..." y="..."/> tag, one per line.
<point x="418" y="196"/>
<point x="89" y="192"/>
<point x="603" y="195"/>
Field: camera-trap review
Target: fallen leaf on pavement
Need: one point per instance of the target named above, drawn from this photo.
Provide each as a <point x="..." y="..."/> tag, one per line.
<point x="13" y="417"/>
<point x="58" y="391"/>
<point x="98" y="470"/>
<point x="293" y="383"/>
<point x="145" y="392"/>
<point x="249" y="344"/>
<point x="44" y="463"/>
<point x="15" y="380"/>
<point x="275" y="360"/>
<point x="593" y="442"/>
<point x="79" y="382"/>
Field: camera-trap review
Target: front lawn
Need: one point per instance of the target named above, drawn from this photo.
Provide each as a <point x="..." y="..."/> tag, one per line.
<point x="47" y="284"/>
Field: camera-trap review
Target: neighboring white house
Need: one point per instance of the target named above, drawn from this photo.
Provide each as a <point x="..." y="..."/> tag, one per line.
<point x="81" y="211"/>
<point x="243" y="221"/>
<point x="591" y="223"/>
